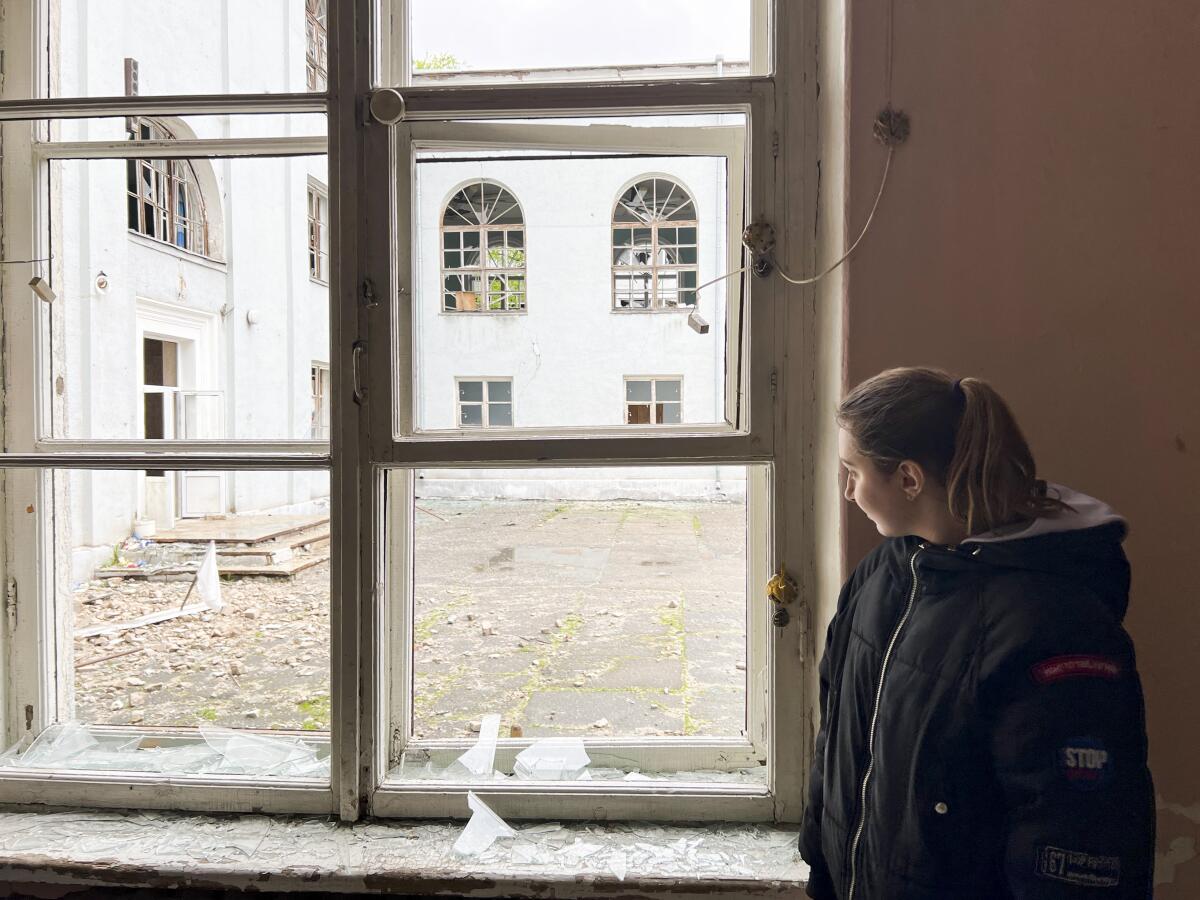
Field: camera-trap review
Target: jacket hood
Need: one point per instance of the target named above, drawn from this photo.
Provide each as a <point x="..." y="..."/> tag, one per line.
<point x="1082" y="543"/>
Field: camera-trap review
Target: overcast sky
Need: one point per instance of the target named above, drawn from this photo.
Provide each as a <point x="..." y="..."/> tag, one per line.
<point x="486" y="34"/>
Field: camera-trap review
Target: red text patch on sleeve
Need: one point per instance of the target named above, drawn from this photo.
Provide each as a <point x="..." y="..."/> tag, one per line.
<point x="1058" y="668"/>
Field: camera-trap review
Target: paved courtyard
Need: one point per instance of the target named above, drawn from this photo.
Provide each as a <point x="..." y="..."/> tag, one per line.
<point x="589" y="618"/>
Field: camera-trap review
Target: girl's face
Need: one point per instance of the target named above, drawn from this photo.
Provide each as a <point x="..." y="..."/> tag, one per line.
<point x="879" y="494"/>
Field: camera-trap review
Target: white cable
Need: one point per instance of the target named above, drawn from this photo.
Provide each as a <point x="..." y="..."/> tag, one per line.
<point x="722" y="278"/>
<point x="866" y="225"/>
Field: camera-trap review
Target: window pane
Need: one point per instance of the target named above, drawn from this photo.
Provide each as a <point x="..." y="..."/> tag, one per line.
<point x="582" y="319"/>
<point x="613" y="603"/>
<point x="275" y="46"/>
<point x="236" y="319"/>
<point x="637" y="414"/>
<point x="637" y="390"/>
<point x="466" y="41"/>
<point x="667" y="390"/>
<point x="470" y="391"/>
<point x="500" y="391"/>
<point x="197" y="637"/>
<point x="471" y="414"/>
<point x="500" y="415"/>
<point x="668" y="414"/>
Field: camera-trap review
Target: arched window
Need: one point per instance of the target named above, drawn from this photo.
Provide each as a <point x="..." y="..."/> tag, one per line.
<point x="654" y="246"/>
<point x="165" y="202"/>
<point x="483" y="250"/>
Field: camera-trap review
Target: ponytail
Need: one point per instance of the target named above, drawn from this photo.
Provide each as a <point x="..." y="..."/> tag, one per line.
<point x="961" y="432"/>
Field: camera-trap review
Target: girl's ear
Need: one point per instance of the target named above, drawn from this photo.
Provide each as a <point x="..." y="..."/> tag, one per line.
<point x="912" y="479"/>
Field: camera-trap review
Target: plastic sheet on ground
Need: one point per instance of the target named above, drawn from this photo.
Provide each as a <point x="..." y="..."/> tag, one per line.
<point x="72" y="745"/>
<point x="483" y="830"/>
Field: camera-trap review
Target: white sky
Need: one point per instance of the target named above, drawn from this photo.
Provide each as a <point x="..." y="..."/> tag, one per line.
<point x="486" y="34"/>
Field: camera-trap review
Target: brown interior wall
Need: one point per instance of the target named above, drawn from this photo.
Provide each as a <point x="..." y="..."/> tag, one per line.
<point x="1040" y="230"/>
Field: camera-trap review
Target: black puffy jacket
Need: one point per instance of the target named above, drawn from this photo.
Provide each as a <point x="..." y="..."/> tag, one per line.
<point x="983" y="732"/>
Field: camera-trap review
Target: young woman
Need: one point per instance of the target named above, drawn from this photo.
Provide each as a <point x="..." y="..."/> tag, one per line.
<point x="983" y="733"/>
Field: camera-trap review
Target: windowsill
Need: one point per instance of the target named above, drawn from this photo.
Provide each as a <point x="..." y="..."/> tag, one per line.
<point x="160" y="849"/>
<point x="315" y="280"/>
<point x="178" y="252"/>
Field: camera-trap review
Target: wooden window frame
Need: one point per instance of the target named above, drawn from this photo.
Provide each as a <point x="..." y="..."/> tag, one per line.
<point x="372" y="440"/>
<point x="655" y="381"/>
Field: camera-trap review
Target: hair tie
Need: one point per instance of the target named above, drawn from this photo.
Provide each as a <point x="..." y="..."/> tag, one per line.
<point x="958" y="389"/>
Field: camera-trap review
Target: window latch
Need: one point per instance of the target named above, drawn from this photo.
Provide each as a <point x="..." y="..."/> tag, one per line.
<point x="782" y="590"/>
<point x="386" y="106"/>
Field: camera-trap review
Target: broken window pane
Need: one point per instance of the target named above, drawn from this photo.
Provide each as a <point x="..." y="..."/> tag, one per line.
<point x="160" y="340"/>
<point x="579" y="603"/>
<point x="483" y="214"/>
<point x="132" y="47"/>
<point x="464" y="41"/>
<point x="195" y="637"/>
<point x="664" y="206"/>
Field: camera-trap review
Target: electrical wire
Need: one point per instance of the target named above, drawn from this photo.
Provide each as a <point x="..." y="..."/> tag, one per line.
<point x="887" y="165"/>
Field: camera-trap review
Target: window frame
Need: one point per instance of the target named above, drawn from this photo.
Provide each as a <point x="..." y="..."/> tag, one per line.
<point x="316" y="47"/>
<point x="483" y="271"/>
<point x="443" y="118"/>
<point x="370" y="272"/>
<point x="320" y="375"/>
<point x="654" y="381"/>
<point x="318" y="232"/>
<point x="35" y="686"/>
<point x="654" y="267"/>
<point x="485" y="382"/>
<point x="171" y="177"/>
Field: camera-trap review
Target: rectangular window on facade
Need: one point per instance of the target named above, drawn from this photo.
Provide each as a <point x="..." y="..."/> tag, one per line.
<point x="653" y="401"/>
<point x="320" y="402"/>
<point x="485" y="403"/>
<point x="318" y="234"/>
<point x="315" y="30"/>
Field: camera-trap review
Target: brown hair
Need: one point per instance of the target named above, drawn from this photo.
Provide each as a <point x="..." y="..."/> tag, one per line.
<point x="961" y="432"/>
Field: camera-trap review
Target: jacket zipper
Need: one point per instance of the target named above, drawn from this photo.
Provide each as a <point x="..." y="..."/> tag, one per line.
<point x="887" y="656"/>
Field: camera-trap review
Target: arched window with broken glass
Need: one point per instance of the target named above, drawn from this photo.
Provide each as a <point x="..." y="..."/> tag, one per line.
<point x="654" y="252"/>
<point x="483" y="250"/>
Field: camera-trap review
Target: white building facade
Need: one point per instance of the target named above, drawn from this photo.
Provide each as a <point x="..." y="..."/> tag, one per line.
<point x="194" y="302"/>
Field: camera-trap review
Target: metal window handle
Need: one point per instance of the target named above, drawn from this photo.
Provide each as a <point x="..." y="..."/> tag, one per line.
<point x="357" y="356"/>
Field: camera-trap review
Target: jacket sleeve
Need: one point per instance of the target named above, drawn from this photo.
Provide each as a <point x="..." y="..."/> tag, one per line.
<point x="1066" y="726"/>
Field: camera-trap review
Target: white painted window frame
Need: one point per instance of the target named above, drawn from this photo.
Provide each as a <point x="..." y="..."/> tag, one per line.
<point x="318" y="202"/>
<point x="654" y="380"/>
<point x="757" y="433"/>
<point x="485" y="381"/>
<point x="372" y="291"/>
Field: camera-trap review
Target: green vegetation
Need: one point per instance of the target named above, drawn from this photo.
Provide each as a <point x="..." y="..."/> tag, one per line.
<point x="437" y="62"/>
<point x="208" y="714"/>
<point x="314" y="708"/>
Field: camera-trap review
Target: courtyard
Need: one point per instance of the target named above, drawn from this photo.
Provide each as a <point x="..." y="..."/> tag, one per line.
<point x="603" y="618"/>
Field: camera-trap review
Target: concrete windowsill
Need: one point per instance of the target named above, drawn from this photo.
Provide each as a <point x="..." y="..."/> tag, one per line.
<point x="156" y="849"/>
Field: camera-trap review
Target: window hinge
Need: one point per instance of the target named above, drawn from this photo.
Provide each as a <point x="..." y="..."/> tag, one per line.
<point x="774" y="383"/>
<point x="10" y="604"/>
<point x="358" y="358"/>
<point x="775" y="144"/>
